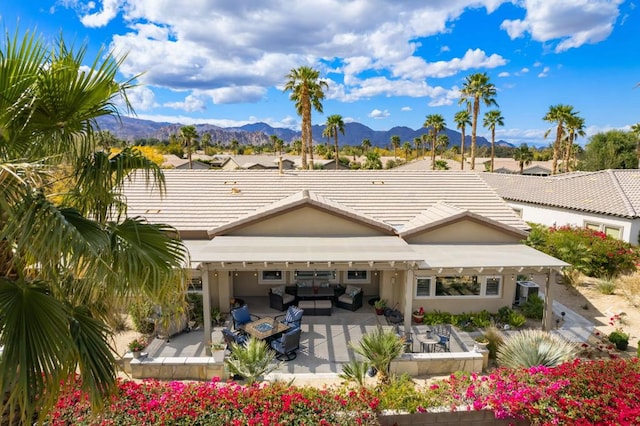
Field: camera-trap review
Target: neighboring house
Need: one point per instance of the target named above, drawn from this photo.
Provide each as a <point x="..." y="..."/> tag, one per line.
<point x="175" y="162"/>
<point x="607" y="200"/>
<point x="264" y="162"/>
<point x="439" y="240"/>
<point x="509" y="165"/>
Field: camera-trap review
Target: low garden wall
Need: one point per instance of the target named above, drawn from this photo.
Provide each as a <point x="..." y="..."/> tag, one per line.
<point x="421" y="364"/>
<point x="470" y="418"/>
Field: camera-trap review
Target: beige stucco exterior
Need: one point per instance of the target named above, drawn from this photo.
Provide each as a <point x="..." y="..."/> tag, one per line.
<point x="464" y="231"/>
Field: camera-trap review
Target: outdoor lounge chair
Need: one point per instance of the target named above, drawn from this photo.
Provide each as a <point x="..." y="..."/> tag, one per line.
<point x="241" y="317"/>
<point x="287" y="345"/>
<point x="351" y="299"/>
<point x="279" y="299"/>
<point x="293" y="317"/>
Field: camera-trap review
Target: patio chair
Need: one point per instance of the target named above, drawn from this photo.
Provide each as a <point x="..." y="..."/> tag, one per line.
<point x="443" y="344"/>
<point x="279" y="299"/>
<point x="407" y="336"/>
<point x="287" y="345"/>
<point x="230" y="337"/>
<point x="241" y="317"/>
<point x="293" y="317"/>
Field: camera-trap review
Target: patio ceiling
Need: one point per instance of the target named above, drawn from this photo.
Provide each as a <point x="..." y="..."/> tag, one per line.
<point x="343" y="250"/>
<point x="489" y="256"/>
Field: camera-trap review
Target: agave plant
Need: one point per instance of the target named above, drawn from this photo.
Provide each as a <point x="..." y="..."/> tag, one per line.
<point x="530" y="348"/>
<point x="251" y="361"/>
<point x="380" y="348"/>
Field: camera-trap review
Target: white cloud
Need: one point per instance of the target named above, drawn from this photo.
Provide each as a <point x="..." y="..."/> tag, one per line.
<point x="141" y="98"/>
<point x="378" y="114"/>
<point x="406" y="109"/>
<point x="544" y="72"/>
<point x="94" y="19"/>
<point x="570" y="23"/>
<point x="190" y="104"/>
<point x="504" y="74"/>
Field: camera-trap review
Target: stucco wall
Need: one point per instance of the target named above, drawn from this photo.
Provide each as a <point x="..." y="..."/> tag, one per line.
<point x="550" y="216"/>
<point x="306" y="221"/>
<point x="465" y="231"/>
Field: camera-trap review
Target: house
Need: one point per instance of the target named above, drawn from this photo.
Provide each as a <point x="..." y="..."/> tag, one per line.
<point x="606" y="200"/>
<point x="173" y="161"/>
<point x="435" y="239"/>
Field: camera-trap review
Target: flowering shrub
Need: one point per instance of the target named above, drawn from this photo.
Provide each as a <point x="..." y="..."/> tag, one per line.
<point x="591" y="252"/>
<point x="214" y="403"/>
<point x="137" y="345"/>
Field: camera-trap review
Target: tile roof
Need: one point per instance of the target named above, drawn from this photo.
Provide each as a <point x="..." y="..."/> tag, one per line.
<point x="610" y="192"/>
<point x="201" y="200"/>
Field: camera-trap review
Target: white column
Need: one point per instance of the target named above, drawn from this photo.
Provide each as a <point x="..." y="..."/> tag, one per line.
<point x="206" y="307"/>
<point x="408" y="298"/>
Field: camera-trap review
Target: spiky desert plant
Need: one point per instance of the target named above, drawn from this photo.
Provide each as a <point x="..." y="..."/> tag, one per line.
<point x="251" y="361"/>
<point x="530" y="348"/>
<point x="380" y="348"/>
<point x="496" y="339"/>
<point x="355" y="371"/>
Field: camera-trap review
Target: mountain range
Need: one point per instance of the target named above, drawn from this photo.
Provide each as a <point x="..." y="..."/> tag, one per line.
<point x="134" y="129"/>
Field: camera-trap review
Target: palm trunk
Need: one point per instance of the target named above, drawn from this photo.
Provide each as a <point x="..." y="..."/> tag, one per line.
<point x="433" y="152"/>
<point x="336" y="143"/>
<point x="462" y="149"/>
<point x="474" y="125"/>
<point x="493" y="147"/>
<point x="556" y="149"/>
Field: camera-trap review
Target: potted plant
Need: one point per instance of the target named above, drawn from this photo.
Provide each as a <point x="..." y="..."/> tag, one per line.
<point x="418" y="315"/>
<point x="481" y="342"/>
<point x="379" y="305"/>
<point x="620" y="339"/>
<point x="136" y="346"/>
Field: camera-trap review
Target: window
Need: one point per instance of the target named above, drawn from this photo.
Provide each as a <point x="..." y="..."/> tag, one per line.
<point x="315" y="275"/>
<point x="492" y="286"/>
<point x="271" y="277"/>
<point x="357" y="277"/>
<point x="195" y="285"/>
<point x="609" y="230"/>
<point x="612" y="232"/>
<point x="458" y="286"/>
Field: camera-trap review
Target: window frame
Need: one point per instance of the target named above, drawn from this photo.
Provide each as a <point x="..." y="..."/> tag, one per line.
<point x="262" y="279"/>
<point x="482" y="279"/>
<point x="365" y="279"/>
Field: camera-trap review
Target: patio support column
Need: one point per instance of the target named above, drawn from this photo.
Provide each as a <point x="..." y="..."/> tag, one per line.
<point x="206" y="307"/>
<point x="547" y="318"/>
<point x="408" y="298"/>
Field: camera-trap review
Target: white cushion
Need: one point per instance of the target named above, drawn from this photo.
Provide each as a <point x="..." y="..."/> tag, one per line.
<point x="286" y="298"/>
<point x="345" y="298"/>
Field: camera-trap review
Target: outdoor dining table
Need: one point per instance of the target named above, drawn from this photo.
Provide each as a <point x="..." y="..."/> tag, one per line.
<point x="428" y="343"/>
<point x="265" y="328"/>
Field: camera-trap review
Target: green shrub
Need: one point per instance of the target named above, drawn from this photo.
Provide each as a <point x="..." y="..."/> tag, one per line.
<point x="355" y="371"/>
<point x="140" y="313"/>
<point x="251" y="361"/>
<point x="533" y="307"/>
<point x="437" y="317"/>
<point x="531" y="348"/>
<point x="606" y="286"/>
<point x="516" y="319"/>
<point x="593" y="253"/>
<point x="379" y="348"/>
<point x="402" y="394"/>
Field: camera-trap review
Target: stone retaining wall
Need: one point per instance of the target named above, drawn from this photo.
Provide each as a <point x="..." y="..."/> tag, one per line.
<point x="465" y="418"/>
<point x="421" y="364"/>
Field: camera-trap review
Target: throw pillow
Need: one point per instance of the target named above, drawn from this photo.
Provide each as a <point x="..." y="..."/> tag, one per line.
<point x="279" y="291"/>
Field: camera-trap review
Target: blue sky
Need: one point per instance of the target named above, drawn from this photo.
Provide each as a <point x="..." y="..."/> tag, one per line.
<point x="387" y="62"/>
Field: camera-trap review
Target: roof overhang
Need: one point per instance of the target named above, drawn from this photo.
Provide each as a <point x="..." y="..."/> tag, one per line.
<point x="389" y="250"/>
<point x="514" y="257"/>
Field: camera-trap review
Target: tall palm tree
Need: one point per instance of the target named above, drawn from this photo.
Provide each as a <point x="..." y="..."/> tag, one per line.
<point x="406" y="147"/>
<point x="558" y="114"/>
<point x="334" y="125"/>
<point x="417" y="142"/>
<point x="492" y="119"/>
<point x="575" y="128"/>
<point x="235" y="146"/>
<point x="437" y="124"/>
<point x="366" y="145"/>
<point x="442" y="142"/>
<point x="188" y="134"/>
<point x="425" y="140"/>
<point x="205" y="140"/>
<point x="395" y="144"/>
<point x="307" y="91"/>
<point x="67" y="260"/>
<point x="462" y="119"/>
<point x="477" y="88"/>
<point x="523" y="156"/>
<point x="635" y="129"/>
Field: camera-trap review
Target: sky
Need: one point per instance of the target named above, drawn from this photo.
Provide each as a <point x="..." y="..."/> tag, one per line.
<point x="387" y="63"/>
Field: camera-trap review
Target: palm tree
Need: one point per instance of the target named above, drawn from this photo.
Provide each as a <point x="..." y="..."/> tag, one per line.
<point x="425" y="140"/>
<point x="492" y="119"/>
<point x="635" y="129"/>
<point x="366" y="145"/>
<point x="395" y="143"/>
<point x="307" y="92"/>
<point x="417" y="142"/>
<point x="67" y="260"/>
<point x="297" y="146"/>
<point x="334" y="125"/>
<point x="558" y="114"/>
<point x="462" y="119"/>
<point x="442" y="141"/>
<point x="523" y="156"/>
<point x="477" y="88"/>
<point x="206" y="140"/>
<point x="188" y="134"/>
<point x="406" y="147"/>
<point x="575" y="127"/>
<point x="437" y="124"/>
<point x="235" y="146"/>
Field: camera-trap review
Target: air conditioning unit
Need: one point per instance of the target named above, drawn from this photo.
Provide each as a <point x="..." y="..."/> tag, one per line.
<point x="524" y="289"/>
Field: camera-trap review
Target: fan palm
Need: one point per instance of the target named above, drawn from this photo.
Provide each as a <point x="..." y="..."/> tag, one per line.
<point x="188" y="134"/>
<point x="334" y="125"/>
<point x="635" y="129"/>
<point x="251" y="361"/>
<point x="68" y="257"/>
<point x="437" y="124"/>
<point x="462" y="119"/>
<point x="477" y="88"/>
<point x="575" y="128"/>
<point x="492" y="119"/>
<point x="307" y="91"/>
<point x="558" y="114"/>
<point x="523" y="156"/>
<point x="366" y="145"/>
<point x="395" y="144"/>
<point x="379" y="348"/>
